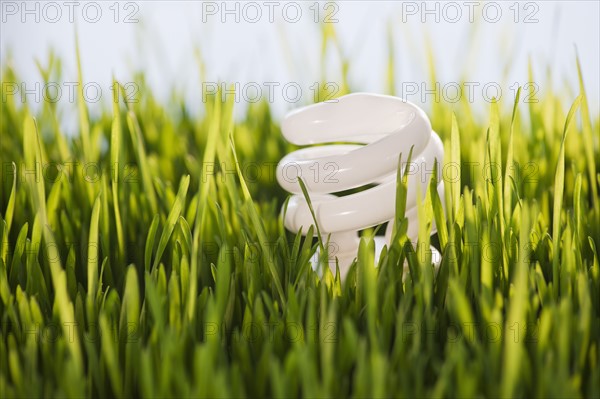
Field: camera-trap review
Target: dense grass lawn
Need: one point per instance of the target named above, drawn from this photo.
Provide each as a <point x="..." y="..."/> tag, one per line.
<point x="137" y="260"/>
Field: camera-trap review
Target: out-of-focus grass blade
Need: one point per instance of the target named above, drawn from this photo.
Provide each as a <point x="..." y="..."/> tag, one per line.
<point x="84" y="123"/>
<point x="589" y="139"/>
<point x="150" y="242"/>
<point x="559" y="184"/>
<point x="495" y="157"/>
<point x="454" y="186"/>
<point x="402" y="186"/>
<point x="461" y="309"/>
<point x="517" y="311"/>
<point x="172" y="219"/>
<point x="510" y="165"/>
<point x="312" y="212"/>
<point x="92" y="266"/>
<point x="15" y="266"/>
<point x="115" y="148"/>
<point x="10" y="208"/>
<point x="368" y="277"/>
<point x="425" y="217"/>
<point x="130" y="328"/>
<point x="390" y="75"/>
<point x="110" y="356"/>
<point x="140" y="152"/>
<point x="186" y="233"/>
<point x="4" y="243"/>
<point x="438" y="210"/>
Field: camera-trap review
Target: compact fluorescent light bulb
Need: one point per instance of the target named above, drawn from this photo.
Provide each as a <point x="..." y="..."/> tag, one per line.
<point x="379" y="128"/>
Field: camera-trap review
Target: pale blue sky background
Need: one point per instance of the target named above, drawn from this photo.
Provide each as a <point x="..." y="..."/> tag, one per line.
<point x="491" y="51"/>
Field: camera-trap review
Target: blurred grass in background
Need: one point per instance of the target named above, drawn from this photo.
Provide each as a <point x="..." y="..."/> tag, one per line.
<point x="159" y="272"/>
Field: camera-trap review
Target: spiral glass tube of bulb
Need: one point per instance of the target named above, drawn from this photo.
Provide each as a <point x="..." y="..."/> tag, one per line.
<point x="352" y="142"/>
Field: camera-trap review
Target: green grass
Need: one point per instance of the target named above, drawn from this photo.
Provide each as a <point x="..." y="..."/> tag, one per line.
<point x="168" y="276"/>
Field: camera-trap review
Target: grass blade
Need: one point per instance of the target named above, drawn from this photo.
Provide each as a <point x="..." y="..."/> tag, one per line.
<point x="172" y="219"/>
